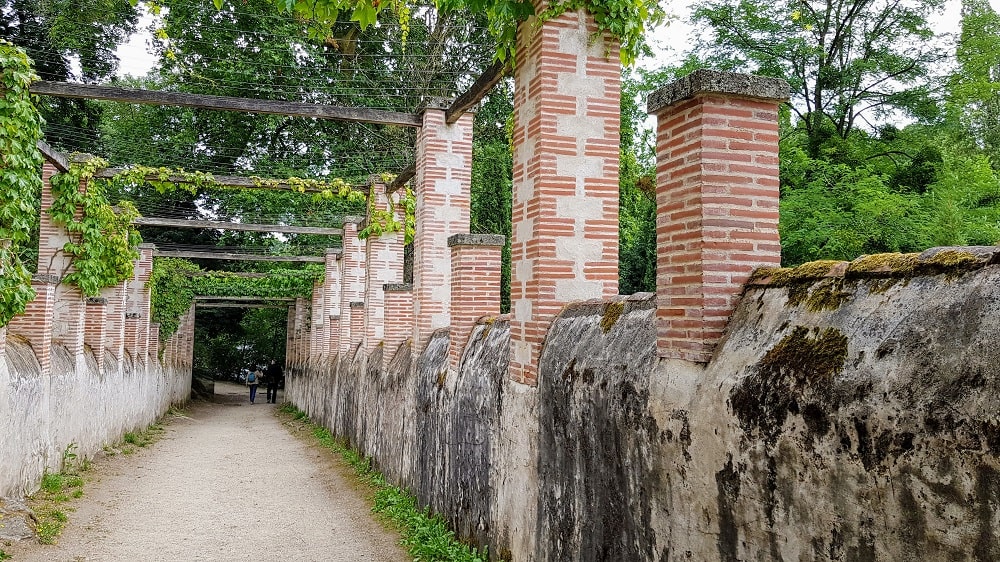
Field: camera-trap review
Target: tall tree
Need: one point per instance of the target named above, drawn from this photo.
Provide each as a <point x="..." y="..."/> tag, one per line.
<point x="974" y="87"/>
<point x="849" y="62"/>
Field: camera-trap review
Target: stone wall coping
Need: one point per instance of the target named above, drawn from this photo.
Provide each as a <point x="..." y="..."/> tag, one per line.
<point x="335" y="251"/>
<point x="952" y="260"/>
<point x="397" y="287"/>
<point x="97" y="300"/>
<point x="147" y="246"/>
<point x="46" y="278"/>
<point x="705" y="81"/>
<point x="357" y="304"/>
<point x="476" y="240"/>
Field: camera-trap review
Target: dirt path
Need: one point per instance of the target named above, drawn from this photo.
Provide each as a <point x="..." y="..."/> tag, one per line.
<point x="228" y="482"/>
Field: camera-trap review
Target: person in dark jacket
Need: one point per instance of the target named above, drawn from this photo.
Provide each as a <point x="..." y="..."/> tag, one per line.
<point x="273" y="375"/>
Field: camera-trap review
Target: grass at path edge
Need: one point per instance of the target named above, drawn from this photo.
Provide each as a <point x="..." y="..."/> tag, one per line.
<point x="426" y="535"/>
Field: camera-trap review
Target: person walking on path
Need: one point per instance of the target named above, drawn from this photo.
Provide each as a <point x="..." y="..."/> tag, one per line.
<point x="273" y="374"/>
<point x="253" y="379"/>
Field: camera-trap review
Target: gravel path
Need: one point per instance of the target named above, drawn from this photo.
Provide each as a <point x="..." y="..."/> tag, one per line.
<point x="227" y="482"/>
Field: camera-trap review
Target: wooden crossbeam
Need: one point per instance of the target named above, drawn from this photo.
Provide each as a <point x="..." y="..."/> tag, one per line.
<point x="244" y="227"/>
<point x="243" y="299"/>
<point x="224" y="103"/>
<point x="482" y="86"/>
<point x="208" y="255"/>
<point x="239" y="182"/>
<point x="237" y="305"/>
<point x="403" y="177"/>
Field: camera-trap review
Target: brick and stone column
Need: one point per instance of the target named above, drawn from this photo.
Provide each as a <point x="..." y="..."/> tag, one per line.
<point x="35" y="324"/>
<point x="290" y="338"/>
<point x="385" y="267"/>
<point x="398" y="318"/>
<point x="114" y="333"/>
<point x="353" y="287"/>
<point x="3" y="344"/>
<point x="717" y="202"/>
<point x="443" y="178"/>
<point x="318" y="342"/>
<point x="475" y="286"/>
<point x="154" y="340"/>
<point x="138" y="305"/>
<point x="357" y="322"/>
<point x="332" y="282"/>
<point x="96" y="328"/>
<point x="565" y="203"/>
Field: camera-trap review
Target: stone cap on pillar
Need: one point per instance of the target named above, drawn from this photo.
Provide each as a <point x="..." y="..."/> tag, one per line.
<point x="357" y="304"/>
<point x="435" y="103"/>
<point x="335" y="252"/>
<point x="147" y="246"/>
<point x="97" y="300"/>
<point x="476" y="240"/>
<point x="705" y="81"/>
<point x="397" y="287"/>
<point x="352" y="219"/>
<point x="46" y="278"/>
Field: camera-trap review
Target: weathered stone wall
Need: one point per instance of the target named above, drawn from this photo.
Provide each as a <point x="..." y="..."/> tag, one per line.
<point x="42" y="415"/>
<point x="851" y="414"/>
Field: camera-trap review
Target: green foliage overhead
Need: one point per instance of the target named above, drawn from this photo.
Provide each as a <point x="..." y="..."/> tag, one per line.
<point x="20" y="185"/>
<point x="626" y="20"/>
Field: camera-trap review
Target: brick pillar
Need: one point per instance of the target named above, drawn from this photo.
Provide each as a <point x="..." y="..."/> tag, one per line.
<point x="318" y="343"/>
<point x="114" y="332"/>
<point x="717" y="201"/>
<point x="475" y="285"/>
<point x="154" y="340"/>
<point x="565" y="203"/>
<point x="443" y="178"/>
<point x="353" y="287"/>
<point x="3" y="344"/>
<point x="302" y="315"/>
<point x="384" y="267"/>
<point x="357" y="322"/>
<point x="398" y="318"/>
<point x="290" y="338"/>
<point x="35" y="324"/>
<point x="332" y="282"/>
<point x="96" y="328"/>
<point x="137" y="305"/>
<point x="69" y="308"/>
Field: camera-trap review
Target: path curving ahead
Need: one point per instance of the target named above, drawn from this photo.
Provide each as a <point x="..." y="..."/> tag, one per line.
<point x="226" y="482"/>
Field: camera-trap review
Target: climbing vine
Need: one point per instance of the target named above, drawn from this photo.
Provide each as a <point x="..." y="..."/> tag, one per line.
<point x="103" y="240"/>
<point x="20" y="186"/>
<point x="175" y="282"/>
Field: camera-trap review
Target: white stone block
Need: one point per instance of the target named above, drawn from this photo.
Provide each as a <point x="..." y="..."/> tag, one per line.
<point x="580" y="166"/>
<point x="522" y="352"/>
<point x="580" y="126"/>
<point x="522" y="309"/>
<point x="449" y="160"/>
<point x="580" y="207"/>
<point x="454" y="132"/>
<point x="578" y="290"/>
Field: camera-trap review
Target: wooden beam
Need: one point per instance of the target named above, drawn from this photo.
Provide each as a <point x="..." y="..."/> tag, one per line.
<point x="403" y="177"/>
<point x="237" y="305"/>
<point x="205" y="255"/>
<point x="58" y="159"/>
<point x="244" y="227"/>
<point x="225" y="103"/>
<point x="239" y="182"/>
<point x="482" y="86"/>
<point x="243" y="299"/>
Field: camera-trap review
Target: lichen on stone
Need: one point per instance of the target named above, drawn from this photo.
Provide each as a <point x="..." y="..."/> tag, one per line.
<point x="612" y="312"/>
<point x="883" y="265"/>
<point x="798" y="370"/>
<point x="827" y="295"/>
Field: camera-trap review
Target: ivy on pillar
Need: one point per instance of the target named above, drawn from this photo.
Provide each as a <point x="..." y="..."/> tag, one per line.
<point x="353" y="287"/>
<point x="138" y="305"/>
<point x="717" y="202"/>
<point x="564" y="244"/>
<point x="443" y="179"/>
<point x="384" y="254"/>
